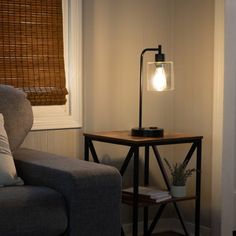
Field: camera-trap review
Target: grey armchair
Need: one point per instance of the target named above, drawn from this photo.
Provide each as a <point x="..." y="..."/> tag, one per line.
<point x="61" y="196"/>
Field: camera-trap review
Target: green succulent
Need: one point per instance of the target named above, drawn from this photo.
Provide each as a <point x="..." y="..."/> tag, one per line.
<point x="179" y="173"/>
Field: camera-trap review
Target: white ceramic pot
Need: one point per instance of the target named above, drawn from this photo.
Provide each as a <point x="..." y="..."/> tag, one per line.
<point x="178" y="191"/>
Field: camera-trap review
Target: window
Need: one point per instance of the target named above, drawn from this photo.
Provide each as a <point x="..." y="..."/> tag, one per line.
<point x="70" y="114"/>
<point x="31" y="49"/>
<point x="53" y="117"/>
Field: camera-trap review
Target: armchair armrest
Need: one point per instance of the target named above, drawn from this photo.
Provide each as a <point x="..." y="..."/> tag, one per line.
<point x="92" y="191"/>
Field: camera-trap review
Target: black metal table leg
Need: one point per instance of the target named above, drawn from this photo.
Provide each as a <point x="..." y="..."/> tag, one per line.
<point x="198" y="188"/>
<point x="146" y="182"/>
<point x="122" y="232"/>
<point x="86" y="149"/>
<point x="135" y="194"/>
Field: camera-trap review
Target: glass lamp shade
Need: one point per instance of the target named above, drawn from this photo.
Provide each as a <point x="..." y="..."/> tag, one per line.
<point x="160" y="76"/>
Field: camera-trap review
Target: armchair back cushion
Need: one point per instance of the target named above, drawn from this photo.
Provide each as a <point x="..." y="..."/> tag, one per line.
<point x="17" y="113"/>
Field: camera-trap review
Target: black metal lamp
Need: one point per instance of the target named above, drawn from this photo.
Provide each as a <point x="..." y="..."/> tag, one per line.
<point x="159" y="78"/>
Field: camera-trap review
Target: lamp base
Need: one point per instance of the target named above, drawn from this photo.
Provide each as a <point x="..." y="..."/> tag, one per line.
<point x="148" y="132"/>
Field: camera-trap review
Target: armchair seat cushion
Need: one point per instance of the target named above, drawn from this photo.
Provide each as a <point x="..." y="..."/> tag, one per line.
<point x="31" y="210"/>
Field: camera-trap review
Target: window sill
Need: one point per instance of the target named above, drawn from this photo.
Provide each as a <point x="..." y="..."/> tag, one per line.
<point x="55" y="117"/>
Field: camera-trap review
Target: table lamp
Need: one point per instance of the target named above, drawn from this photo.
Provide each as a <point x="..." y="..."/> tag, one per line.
<point x="159" y="78"/>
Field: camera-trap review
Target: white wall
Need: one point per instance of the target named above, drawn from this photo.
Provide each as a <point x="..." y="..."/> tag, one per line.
<point x="193" y="57"/>
<point x="115" y="32"/>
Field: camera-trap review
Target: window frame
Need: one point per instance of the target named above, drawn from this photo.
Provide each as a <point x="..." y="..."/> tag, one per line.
<point x="68" y="115"/>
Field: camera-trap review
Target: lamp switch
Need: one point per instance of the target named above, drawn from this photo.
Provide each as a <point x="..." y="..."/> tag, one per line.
<point x="153" y="127"/>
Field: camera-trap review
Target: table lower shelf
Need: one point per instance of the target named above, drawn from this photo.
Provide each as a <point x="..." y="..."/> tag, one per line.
<point x="128" y="199"/>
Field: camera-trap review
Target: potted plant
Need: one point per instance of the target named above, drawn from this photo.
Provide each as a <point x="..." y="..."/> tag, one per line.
<point x="179" y="175"/>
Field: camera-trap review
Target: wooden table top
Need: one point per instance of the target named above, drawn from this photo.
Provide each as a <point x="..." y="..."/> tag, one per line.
<point x="125" y="137"/>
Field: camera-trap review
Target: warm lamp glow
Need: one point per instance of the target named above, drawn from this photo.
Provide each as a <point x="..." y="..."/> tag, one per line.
<point x="160" y="76"/>
<point x="159" y="79"/>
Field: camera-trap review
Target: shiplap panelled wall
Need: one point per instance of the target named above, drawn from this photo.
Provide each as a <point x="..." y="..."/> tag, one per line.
<point x="114" y="34"/>
<point x="61" y="142"/>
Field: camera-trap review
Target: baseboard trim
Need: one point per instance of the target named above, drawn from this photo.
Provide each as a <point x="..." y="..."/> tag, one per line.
<point x="169" y="224"/>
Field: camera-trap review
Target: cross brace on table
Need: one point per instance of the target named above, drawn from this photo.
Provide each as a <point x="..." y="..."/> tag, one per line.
<point x="134" y="152"/>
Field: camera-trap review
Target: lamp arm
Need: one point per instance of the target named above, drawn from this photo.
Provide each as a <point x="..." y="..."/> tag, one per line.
<point x="141" y="81"/>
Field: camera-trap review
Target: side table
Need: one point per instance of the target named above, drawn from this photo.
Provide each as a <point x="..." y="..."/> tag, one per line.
<point x="135" y="143"/>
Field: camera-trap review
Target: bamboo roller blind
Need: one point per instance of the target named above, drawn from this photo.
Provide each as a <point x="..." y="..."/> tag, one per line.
<point x="31" y="49"/>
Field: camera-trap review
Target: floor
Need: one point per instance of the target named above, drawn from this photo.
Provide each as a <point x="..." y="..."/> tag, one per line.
<point x="170" y="233"/>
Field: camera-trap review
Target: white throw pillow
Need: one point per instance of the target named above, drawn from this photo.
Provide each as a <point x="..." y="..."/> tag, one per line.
<point x="8" y="175"/>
